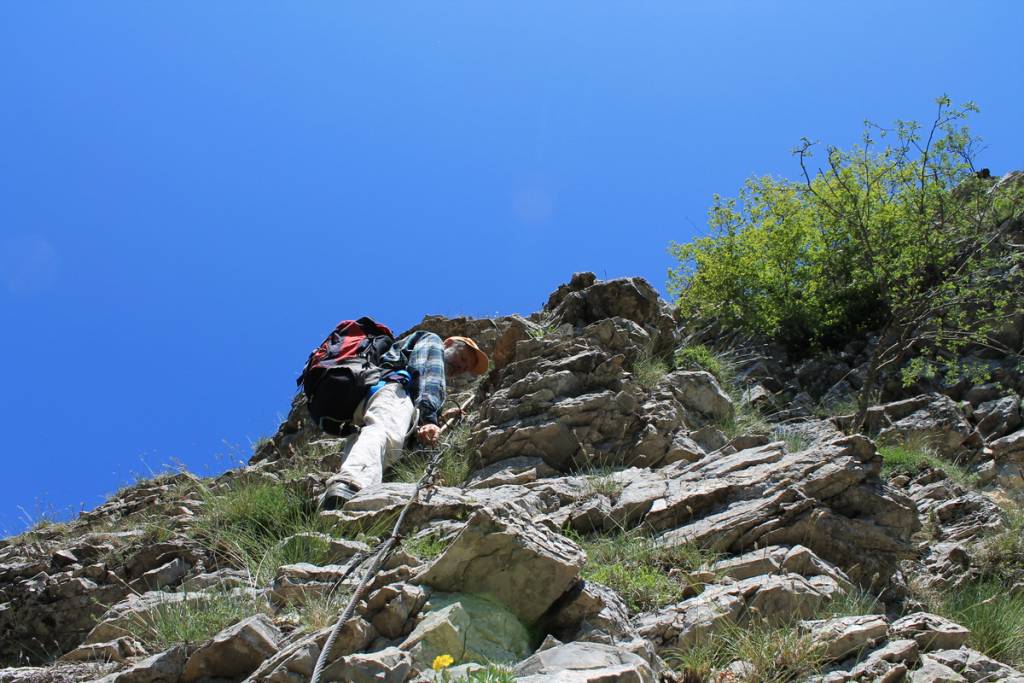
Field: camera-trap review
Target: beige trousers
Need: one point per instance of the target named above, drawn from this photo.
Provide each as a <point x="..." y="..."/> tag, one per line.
<point x="386" y="421"/>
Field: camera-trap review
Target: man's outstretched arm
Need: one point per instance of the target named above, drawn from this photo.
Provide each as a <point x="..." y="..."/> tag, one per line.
<point x="426" y="363"/>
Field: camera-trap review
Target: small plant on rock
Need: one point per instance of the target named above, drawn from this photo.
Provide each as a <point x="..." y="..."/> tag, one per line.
<point x="994" y="614"/>
<point x="771" y="653"/>
<point x="425" y="546"/>
<point x="194" y="619"/>
<point x="649" y="368"/>
<point x="915" y="458"/>
<point x="455" y="460"/>
<point x="249" y="523"/>
<point x="700" y="357"/>
<point x="645" y="573"/>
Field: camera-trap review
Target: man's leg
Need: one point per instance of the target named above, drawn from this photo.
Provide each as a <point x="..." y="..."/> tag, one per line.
<point x="386" y="422"/>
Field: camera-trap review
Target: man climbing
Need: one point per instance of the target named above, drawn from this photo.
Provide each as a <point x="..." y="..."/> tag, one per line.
<point x="389" y="414"/>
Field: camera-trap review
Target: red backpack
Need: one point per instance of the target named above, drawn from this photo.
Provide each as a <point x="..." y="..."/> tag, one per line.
<point x="340" y="372"/>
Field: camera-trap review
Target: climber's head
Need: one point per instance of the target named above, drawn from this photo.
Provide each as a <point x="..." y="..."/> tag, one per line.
<point x="462" y="355"/>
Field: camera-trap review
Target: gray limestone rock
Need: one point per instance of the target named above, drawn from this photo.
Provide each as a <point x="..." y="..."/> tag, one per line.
<point x="466" y="628"/>
<point x="294" y="662"/>
<point x="302" y="582"/>
<point x="505" y="556"/>
<point x="844" y="636"/>
<point x="772" y="597"/>
<point x="165" y="667"/>
<point x="390" y="665"/>
<point x="933" y="418"/>
<point x="1009" y="444"/>
<point x="998" y="418"/>
<point x="116" y="650"/>
<point x="976" y="667"/>
<point x="931" y="631"/>
<point x="590" y="612"/>
<point x="392" y="607"/>
<point x="584" y="663"/>
<point x="932" y="671"/>
<point x="235" y="652"/>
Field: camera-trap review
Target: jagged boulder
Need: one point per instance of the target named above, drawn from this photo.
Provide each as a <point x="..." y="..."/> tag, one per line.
<point x="840" y="637"/>
<point x="505" y="556"/>
<point x="975" y="667"/>
<point x="587" y="300"/>
<point x="164" y="667"/>
<point x="466" y="628"/>
<point x="294" y="662"/>
<point x="932" y="418"/>
<point x="774" y="597"/>
<point x="930" y="631"/>
<point x="390" y="665"/>
<point x="998" y="417"/>
<point x="235" y="652"/>
<point x="584" y="663"/>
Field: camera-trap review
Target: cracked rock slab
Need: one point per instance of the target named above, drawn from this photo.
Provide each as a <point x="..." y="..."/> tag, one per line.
<point x="504" y="556"/>
<point x="584" y="663"/>
<point x="235" y="652"/>
<point x="931" y="631"/>
<point x="771" y="597"/>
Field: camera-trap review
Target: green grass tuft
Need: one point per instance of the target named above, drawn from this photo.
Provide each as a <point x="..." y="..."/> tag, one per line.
<point x="248" y="524"/>
<point x="1002" y="556"/>
<point x="194" y="619"/>
<point x="776" y="653"/>
<point x="745" y="420"/>
<point x="637" y="567"/>
<point x="649" y="368"/>
<point x="995" y="617"/>
<point x="911" y="459"/>
<point x="425" y="546"/>
<point x="700" y="357"/>
<point x="455" y="460"/>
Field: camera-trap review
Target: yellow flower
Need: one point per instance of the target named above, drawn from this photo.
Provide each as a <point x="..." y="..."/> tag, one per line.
<point x="442" y="662"/>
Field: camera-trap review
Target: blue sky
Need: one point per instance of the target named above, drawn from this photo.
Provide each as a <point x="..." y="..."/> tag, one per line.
<point x="192" y="194"/>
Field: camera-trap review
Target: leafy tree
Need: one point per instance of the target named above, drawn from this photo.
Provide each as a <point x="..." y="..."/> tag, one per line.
<point x="898" y="235"/>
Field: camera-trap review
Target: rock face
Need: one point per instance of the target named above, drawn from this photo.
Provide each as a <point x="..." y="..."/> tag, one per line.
<point x="583" y="435"/>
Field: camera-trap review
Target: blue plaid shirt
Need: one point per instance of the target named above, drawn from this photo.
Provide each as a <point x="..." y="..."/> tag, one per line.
<point x="422" y="354"/>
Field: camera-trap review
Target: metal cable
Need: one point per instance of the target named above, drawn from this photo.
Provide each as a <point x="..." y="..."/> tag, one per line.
<point x="379" y="556"/>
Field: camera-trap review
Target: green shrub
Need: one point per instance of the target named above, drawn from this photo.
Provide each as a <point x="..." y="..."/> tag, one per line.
<point x="891" y="234"/>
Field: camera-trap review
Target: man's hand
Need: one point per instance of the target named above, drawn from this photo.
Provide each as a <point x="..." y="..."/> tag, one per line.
<point x="451" y="412"/>
<point x="428" y="434"/>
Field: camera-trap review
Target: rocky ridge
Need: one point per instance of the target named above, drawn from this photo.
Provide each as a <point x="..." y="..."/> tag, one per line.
<point x="581" y="435"/>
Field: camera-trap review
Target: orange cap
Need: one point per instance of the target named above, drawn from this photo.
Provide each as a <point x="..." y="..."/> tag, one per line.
<point x="481" y="364"/>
